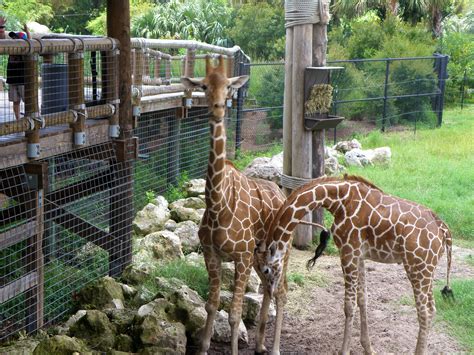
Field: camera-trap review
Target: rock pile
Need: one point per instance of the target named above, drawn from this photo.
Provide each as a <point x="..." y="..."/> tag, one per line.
<point x="336" y="159"/>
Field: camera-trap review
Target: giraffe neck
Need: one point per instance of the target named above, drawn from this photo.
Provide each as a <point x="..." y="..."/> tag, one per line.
<point x="331" y="196"/>
<point x="216" y="164"/>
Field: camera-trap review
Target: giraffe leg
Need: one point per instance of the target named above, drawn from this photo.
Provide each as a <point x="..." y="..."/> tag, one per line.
<point x="262" y="322"/>
<point x="243" y="267"/>
<point x="425" y="306"/>
<point x="350" y="269"/>
<point x="280" y="299"/>
<point x="213" y="265"/>
<point x="362" y="303"/>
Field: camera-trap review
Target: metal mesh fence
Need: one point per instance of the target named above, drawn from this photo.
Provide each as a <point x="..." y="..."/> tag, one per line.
<point x="83" y="212"/>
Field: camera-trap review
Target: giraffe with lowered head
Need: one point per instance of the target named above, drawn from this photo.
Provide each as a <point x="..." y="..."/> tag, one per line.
<point x="368" y="224"/>
<point x="238" y="212"/>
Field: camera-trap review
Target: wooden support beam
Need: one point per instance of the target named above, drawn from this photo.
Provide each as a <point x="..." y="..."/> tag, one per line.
<point x="76" y="97"/>
<point x="18" y="286"/>
<point x="32" y="105"/>
<point x="17" y="234"/>
<point x="287" y="105"/>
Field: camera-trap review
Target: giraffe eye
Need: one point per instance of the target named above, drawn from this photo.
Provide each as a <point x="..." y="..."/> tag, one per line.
<point x="266" y="271"/>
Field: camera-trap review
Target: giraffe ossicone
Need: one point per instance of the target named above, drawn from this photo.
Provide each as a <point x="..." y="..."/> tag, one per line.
<point x="238" y="212"/>
<point x="368" y="224"/>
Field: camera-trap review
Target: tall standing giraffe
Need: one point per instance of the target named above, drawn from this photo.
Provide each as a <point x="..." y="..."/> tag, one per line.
<point x="239" y="210"/>
<point x="368" y="224"/>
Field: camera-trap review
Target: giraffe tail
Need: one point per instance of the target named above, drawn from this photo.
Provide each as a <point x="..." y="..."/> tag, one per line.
<point x="323" y="243"/>
<point x="447" y="292"/>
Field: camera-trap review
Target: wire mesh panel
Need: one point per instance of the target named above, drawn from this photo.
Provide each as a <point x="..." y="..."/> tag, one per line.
<point x="172" y="149"/>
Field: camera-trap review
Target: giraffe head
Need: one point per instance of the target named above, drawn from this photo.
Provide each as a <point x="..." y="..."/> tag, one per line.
<point x="270" y="264"/>
<point x="216" y="85"/>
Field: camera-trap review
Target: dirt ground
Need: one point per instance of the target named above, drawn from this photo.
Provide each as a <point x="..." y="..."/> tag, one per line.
<point x="314" y="316"/>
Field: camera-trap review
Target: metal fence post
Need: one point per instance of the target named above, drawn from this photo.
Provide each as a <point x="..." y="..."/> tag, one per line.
<point x="442" y="86"/>
<point x="239" y="114"/>
<point x="463" y="88"/>
<point x="385" y="94"/>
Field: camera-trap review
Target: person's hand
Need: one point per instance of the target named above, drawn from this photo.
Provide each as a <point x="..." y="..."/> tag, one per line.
<point x="25" y="28"/>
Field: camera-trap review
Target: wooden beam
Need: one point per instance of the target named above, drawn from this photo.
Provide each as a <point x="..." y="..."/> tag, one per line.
<point x="118" y="26"/>
<point x="81" y="189"/>
<point x="17" y="234"/>
<point x="77" y="225"/>
<point x="18" y="286"/>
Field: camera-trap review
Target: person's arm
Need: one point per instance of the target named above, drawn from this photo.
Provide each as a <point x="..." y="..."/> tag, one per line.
<point x="3" y="21"/>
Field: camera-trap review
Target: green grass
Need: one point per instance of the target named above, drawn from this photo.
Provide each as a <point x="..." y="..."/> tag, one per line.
<point x="458" y="314"/>
<point x="470" y="260"/>
<point x="195" y="276"/>
<point x="245" y="158"/>
<point x="296" y="278"/>
<point x="433" y="167"/>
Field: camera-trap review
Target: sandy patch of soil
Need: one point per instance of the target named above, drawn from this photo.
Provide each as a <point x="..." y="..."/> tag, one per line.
<point x="314" y="316"/>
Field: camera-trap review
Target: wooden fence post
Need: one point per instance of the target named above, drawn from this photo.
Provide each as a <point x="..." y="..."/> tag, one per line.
<point x="76" y="96"/>
<point x="37" y="174"/>
<point x="32" y="105"/>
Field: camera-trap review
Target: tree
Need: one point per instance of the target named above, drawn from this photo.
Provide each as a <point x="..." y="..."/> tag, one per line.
<point x="354" y="8"/>
<point x="25" y="11"/>
<point x="258" y="29"/>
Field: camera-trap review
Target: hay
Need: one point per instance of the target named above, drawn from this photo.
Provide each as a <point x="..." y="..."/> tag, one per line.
<point x="320" y="99"/>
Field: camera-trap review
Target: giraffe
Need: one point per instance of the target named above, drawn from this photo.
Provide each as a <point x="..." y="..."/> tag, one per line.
<point x="368" y="224"/>
<point x="238" y="212"/>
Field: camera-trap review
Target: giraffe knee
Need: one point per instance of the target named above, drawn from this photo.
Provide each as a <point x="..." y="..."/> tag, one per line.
<point x="211" y="307"/>
<point x="349" y="308"/>
<point x="234" y="320"/>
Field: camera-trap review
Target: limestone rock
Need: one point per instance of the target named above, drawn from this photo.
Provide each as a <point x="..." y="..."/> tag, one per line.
<point x="195" y="187"/>
<point x="96" y="329"/>
<point x="158" y="350"/>
<point x="166" y="286"/>
<point x="185" y="300"/>
<point x="136" y="274"/>
<point x="100" y="294"/>
<point x="266" y="168"/>
<point x="161" y="333"/>
<point x="251" y="305"/>
<point x="61" y="345"/>
<point x="188" y="209"/>
<point x="20" y="347"/>
<point x="195" y="259"/>
<point x="74" y="318"/>
<point x="144" y="295"/>
<point x="380" y="156"/>
<point x="170" y="225"/>
<point x="124" y="343"/>
<point x="346" y="146"/>
<point x="187" y="233"/>
<point x="161" y="202"/>
<point x="122" y="319"/>
<point x="222" y="333"/>
<point x="162" y="246"/>
<point x="150" y="219"/>
<point x="332" y="166"/>
<point x="227" y="278"/>
<point x="160" y="308"/>
<point x="128" y="291"/>
<point x="357" y="157"/>
<point x="190" y="202"/>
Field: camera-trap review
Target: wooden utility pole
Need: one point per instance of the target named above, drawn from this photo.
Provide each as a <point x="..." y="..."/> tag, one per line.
<point x="306" y="39"/>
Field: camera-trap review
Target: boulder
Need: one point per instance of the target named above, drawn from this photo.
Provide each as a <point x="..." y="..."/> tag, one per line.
<point x="188" y="209"/>
<point x="222" y="333"/>
<point x="166" y="286"/>
<point x="122" y="319"/>
<point x="155" y="350"/>
<point x="144" y="295"/>
<point x="190" y="202"/>
<point x="346" y="146"/>
<point x="161" y="202"/>
<point x="160" y="307"/>
<point x="161" y="333"/>
<point x="266" y="168"/>
<point x="357" y="157"/>
<point x="195" y="259"/>
<point x="227" y="278"/>
<point x="150" y="219"/>
<point x="251" y="305"/>
<point x="170" y="225"/>
<point x="74" y="318"/>
<point x="128" y="291"/>
<point x="379" y="156"/>
<point x="20" y="347"/>
<point x="61" y="345"/>
<point x="102" y="293"/>
<point x="124" y="343"/>
<point x="96" y="329"/>
<point x="187" y="233"/>
<point x="136" y="274"/>
<point x="332" y="166"/>
<point x="162" y="246"/>
<point x="195" y="187"/>
<point x="186" y="301"/>
<point x="90" y="253"/>
<point x="331" y="152"/>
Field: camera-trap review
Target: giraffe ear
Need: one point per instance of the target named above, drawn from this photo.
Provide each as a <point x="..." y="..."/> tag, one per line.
<point x="191" y="83"/>
<point x="238" y="81"/>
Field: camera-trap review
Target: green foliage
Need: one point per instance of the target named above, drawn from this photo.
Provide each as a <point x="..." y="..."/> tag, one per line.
<point x="259" y="29"/>
<point x="268" y="90"/>
<point x="245" y="158"/>
<point x="458" y="313"/>
<point x="176" y="192"/>
<point x="297" y="278"/>
<point x="195" y="276"/>
<point x="21" y="12"/>
<point x="72" y="16"/>
<point x="150" y="196"/>
<point x="441" y="180"/>
<point x="202" y="20"/>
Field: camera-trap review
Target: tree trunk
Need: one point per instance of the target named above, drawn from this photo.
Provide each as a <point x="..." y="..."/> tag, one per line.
<point x="436" y="18"/>
<point x="393" y="7"/>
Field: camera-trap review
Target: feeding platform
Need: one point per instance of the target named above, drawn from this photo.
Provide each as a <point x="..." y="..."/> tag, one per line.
<point x="318" y="99"/>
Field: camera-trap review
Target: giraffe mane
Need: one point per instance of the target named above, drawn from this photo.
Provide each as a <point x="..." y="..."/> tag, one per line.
<point x="361" y="180"/>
